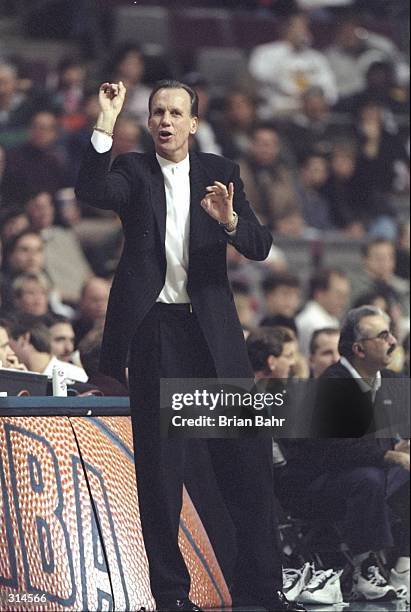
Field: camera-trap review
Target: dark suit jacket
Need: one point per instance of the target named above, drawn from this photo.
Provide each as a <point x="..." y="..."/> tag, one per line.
<point x="134" y="188"/>
<point x="343" y="410"/>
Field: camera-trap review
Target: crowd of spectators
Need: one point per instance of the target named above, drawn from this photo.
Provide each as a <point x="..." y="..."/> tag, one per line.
<point x="321" y="147"/>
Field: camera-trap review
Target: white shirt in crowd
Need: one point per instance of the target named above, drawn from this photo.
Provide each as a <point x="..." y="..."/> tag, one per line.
<point x="284" y="73"/>
<point x="312" y="317"/>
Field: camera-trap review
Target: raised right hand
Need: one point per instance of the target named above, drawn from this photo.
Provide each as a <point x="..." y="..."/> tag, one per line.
<point x="111" y="98"/>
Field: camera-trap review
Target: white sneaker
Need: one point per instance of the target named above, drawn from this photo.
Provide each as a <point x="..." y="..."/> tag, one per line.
<point x="295" y="580"/>
<point x="369" y="584"/>
<point x="323" y="588"/>
<point x="400" y="581"/>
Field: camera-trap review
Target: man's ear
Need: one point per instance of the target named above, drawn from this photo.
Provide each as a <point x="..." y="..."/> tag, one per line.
<point x="194" y="125"/>
<point x="26" y="338"/>
<point x="358" y="350"/>
<point x="271" y="363"/>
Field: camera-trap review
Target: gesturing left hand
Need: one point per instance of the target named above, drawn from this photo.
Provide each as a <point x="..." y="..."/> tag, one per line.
<point x="218" y="202"/>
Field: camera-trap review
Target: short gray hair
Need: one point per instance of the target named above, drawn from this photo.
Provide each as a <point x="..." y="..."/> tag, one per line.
<point x="351" y="327"/>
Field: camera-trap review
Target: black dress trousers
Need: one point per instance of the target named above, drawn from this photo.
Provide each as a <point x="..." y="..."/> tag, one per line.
<point x="169" y="344"/>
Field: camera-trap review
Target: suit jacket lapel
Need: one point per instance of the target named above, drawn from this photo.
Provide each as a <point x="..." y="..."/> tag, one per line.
<point x="201" y="224"/>
<point x="158" y="197"/>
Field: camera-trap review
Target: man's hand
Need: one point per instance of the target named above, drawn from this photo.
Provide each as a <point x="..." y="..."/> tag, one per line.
<point x="395" y="457"/>
<point x="111" y="99"/>
<point x="14" y="363"/>
<point x="218" y="202"/>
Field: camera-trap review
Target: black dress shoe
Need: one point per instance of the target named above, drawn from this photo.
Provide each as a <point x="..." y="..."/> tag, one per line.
<point x="275" y="603"/>
<point x="179" y="605"/>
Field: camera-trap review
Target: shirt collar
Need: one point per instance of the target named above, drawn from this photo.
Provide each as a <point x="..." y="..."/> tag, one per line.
<point x="364" y="386"/>
<point x="166" y="164"/>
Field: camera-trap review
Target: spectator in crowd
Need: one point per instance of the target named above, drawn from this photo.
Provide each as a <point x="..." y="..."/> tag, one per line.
<point x="31" y="294"/>
<point x="267" y="180"/>
<point x="37" y="165"/>
<point x="61" y="337"/>
<point x="24" y="254"/>
<point x="16" y="105"/>
<point x="68" y="90"/>
<point x="378" y="272"/>
<point x="205" y="139"/>
<point x="130" y="137"/>
<point x="235" y="127"/>
<point x="342" y="192"/>
<point x="380" y="87"/>
<point x="92" y="306"/>
<point x="359" y="481"/>
<point x="323" y="350"/>
<point x="90" y="348"/>
<point x="354" y="50"/>
<point x="312" y="203"/>
<point x="314" y="128"/>
<point x="282" y="295"/>
<point x="328" y="298"/>
<point x="13" y="220"/>
<point x="387" y="300"/>
<point x="272" y="352"/>
<point x="8" y="358"/>
<point x="128" y="65"/>
<point x="380" y="154"/>
<point x="67" y="274"/>
<point x="30" y="340"/>
<point x="287" y="68"/>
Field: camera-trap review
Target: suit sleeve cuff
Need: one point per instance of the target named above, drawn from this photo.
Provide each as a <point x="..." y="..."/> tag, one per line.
<point x="101" y="142"/>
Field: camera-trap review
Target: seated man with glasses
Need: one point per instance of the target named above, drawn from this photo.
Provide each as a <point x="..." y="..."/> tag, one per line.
<point x="348" y="471"/>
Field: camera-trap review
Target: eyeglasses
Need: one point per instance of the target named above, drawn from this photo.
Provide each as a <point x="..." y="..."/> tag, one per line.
<point x="383" y="335"/>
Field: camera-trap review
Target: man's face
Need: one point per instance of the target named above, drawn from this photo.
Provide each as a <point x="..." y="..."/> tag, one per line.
<point x="298" y="32"/>
<point x="95" y="299"/>
<point x="43" y="130"/>
<point x="282" y="365"/>
<point x="33" y="299"/>
<point x="335" y="298"/>
<point x="28" y="255"/>
<point x="283" y="301"/>
<point x="62" y="340"/>
<point x="171" y="124"/>
<point x="377" y="343"/>
<point x="8" y="82"/>
<point x="7" y="355"/>
<point x="41" y="211"/>
<point x="326" y="353"/>
<point x="265" y="147"/>
<point x="380" y="262"/>
<point x="315" y="172"/>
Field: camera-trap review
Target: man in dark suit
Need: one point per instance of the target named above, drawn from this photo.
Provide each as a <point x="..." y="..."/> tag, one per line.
<point x="355" y="472"/>
<point x="172" y="311"/>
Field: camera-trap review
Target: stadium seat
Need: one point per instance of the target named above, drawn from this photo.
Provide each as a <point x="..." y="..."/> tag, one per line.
<point x="222" y="66"/>
<point x="142" y="24"/>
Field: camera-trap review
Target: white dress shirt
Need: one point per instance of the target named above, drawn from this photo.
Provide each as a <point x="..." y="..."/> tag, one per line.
<point x="177" y="186"/>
